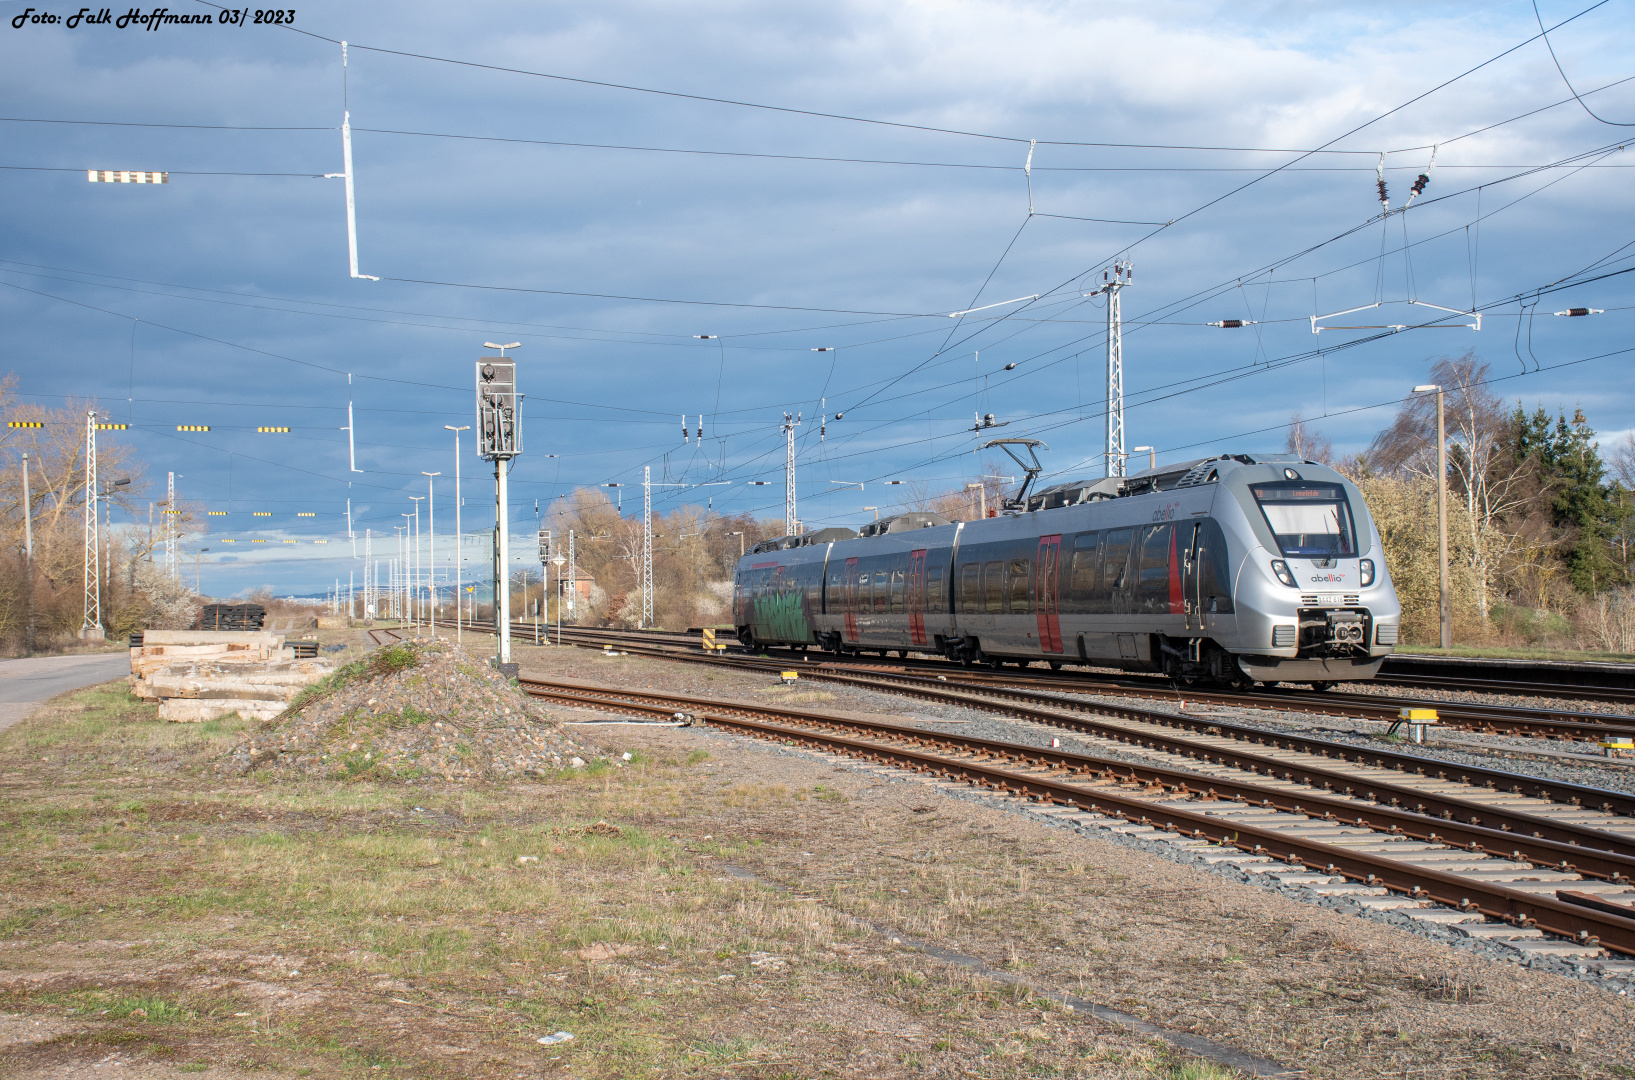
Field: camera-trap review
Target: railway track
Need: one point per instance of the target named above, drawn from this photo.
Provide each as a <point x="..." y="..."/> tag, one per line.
<point x="385" y="636"/>
<point x="1337" y="844"/>
<point x="1486" y="719"/>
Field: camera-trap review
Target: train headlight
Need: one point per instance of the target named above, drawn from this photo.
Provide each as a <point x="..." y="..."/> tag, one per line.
<point x="1281" y="569"/>
<point x="1366" y="569"/>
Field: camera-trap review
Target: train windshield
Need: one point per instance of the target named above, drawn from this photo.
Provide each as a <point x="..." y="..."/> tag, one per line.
<point x="1309" y="520"/>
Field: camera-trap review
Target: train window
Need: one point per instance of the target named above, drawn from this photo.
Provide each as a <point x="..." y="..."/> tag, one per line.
<point x="1116" y="560"/>
<point x="882" y="592"/>
<point x="1311" y="520"/>
<point x="897" y="591"/>
<point x="933" y="589"/>
<point x="1086" y="552"/>
<point x="993" y="587"/>
<point x="1155" y="559"/>
<point x="970" y="588"/>
<point x="1021" y="572"/>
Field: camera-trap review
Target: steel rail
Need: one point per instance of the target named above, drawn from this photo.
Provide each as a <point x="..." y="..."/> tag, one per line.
<point x="1545" y="852"/>
<point x="1554" y="916"/>
<point x="1482" y="717"/>
<point x="1583" y="924"/>
<point x="996" y="698"/>
<point x="1495" y="719"/>
<point x="1518" y="687"/>
<point x="1611" y="802"/>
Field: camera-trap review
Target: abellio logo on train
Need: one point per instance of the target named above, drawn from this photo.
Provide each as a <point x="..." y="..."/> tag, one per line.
<point x="1167" y="513"/>
<point x="1318" y="579"/>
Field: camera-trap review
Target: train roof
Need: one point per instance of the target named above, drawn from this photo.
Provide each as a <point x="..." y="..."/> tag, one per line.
<point x="1185" y="474"/>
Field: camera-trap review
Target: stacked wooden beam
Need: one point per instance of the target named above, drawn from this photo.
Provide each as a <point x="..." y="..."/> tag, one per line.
<point x="198" y="675"/>
<point x="231" y="617"/>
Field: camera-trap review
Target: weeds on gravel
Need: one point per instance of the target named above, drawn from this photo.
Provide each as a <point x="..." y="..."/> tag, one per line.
<point x="140" y="1007"/>
<point x="376" y="665"/>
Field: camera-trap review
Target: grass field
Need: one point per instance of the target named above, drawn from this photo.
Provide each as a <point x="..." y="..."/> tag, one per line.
<point x="156" y="913"/>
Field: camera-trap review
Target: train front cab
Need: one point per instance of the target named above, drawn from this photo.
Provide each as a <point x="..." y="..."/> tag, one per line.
<point x="1314" y="600"/>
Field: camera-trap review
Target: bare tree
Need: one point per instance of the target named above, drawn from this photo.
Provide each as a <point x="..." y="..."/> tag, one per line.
<point x="1307" y="442"/>
<point x="1621" y="462"/>
<point x="1493" y="486"/>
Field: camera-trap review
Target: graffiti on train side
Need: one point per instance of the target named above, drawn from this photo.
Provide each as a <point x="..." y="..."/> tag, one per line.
<point x="782" y="617"/>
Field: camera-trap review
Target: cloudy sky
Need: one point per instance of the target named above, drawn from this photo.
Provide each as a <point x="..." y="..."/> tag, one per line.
<point x="606" y="183"/>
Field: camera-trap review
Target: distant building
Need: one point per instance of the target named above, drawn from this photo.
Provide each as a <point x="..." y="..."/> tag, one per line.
<point x="582" y="588"/>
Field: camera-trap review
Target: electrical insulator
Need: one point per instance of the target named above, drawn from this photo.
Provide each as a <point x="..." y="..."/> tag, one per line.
<point x="683" y="427"/>
<point x="1421" y="184"/>
<point x="1011" y="366"/>
<point x="1384" y="200"/>
<point x="700" y="426"/>
<point x="1231" y="324"/>
<point x="1582" y="311"/>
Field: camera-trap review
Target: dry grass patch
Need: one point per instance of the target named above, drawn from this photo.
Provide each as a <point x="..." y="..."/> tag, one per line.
<point x="369" y="929"/>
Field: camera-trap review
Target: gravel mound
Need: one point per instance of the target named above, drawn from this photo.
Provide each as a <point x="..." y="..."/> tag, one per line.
<point x="410" y="711"/>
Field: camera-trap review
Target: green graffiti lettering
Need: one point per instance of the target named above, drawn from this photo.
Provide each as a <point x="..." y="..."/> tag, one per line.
<point x="782" y="617"/>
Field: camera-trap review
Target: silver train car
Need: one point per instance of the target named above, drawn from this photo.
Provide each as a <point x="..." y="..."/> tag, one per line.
<point x="1235" y="569"/>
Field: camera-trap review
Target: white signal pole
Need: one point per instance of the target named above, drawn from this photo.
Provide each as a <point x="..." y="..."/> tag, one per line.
<point x="431" y="546"/>
<point x="459" y="534"/>
<point x="573" y="586"/>
<point x="28" y="555"/>
<point x="415" y="594"/>
<point x="403" y="572"/>
<point x="1112" y="283"/>
<point x="499" y="437"/>
<point x="170" y="525"/>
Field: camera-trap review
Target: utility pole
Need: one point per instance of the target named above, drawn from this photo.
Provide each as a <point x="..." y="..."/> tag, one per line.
<point x="647" y="546"/>
<point x="982" y="497"/>
<point x="91" y="625"/>
<point x="28" y="556"/>
<point x="1112" y="282"/>
<point x="431" y="546"/>
<point x="170" y="524"/>
<point x="499" y="437"/>
<point x="403" y="576"/>
<point x="416" y="574"/>
<point x="573" y="588"/>
<point x="368" y="575"/>
<point x="790" y="423"/>
<point x="1446" y="604"/>
<point x="558" y="560"/>
<point x="545" y="579"/>
<point x="459" y="533"/>
<point x="1442" y="522"/>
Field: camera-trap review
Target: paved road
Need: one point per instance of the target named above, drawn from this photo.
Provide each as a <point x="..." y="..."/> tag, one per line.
<point x="25" y="683"/>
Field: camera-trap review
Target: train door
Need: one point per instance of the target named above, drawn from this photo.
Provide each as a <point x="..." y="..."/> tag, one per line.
<point x="1047" y="590"/>
<point x="767" y="626"/>
<point x="1192" y="560"/>
<point x="916" y="596"/>
<point x="848" y="591"/>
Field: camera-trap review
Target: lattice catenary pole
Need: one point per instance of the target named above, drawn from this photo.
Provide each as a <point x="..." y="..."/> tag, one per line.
<point x="91" y="626"/>
<point x="1113" y="282"/>
<point x="790" y="423"/>
<point x="647" y="546"/>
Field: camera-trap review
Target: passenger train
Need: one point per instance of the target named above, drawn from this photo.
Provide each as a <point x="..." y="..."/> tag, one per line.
<point x="1236" y="569"/>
